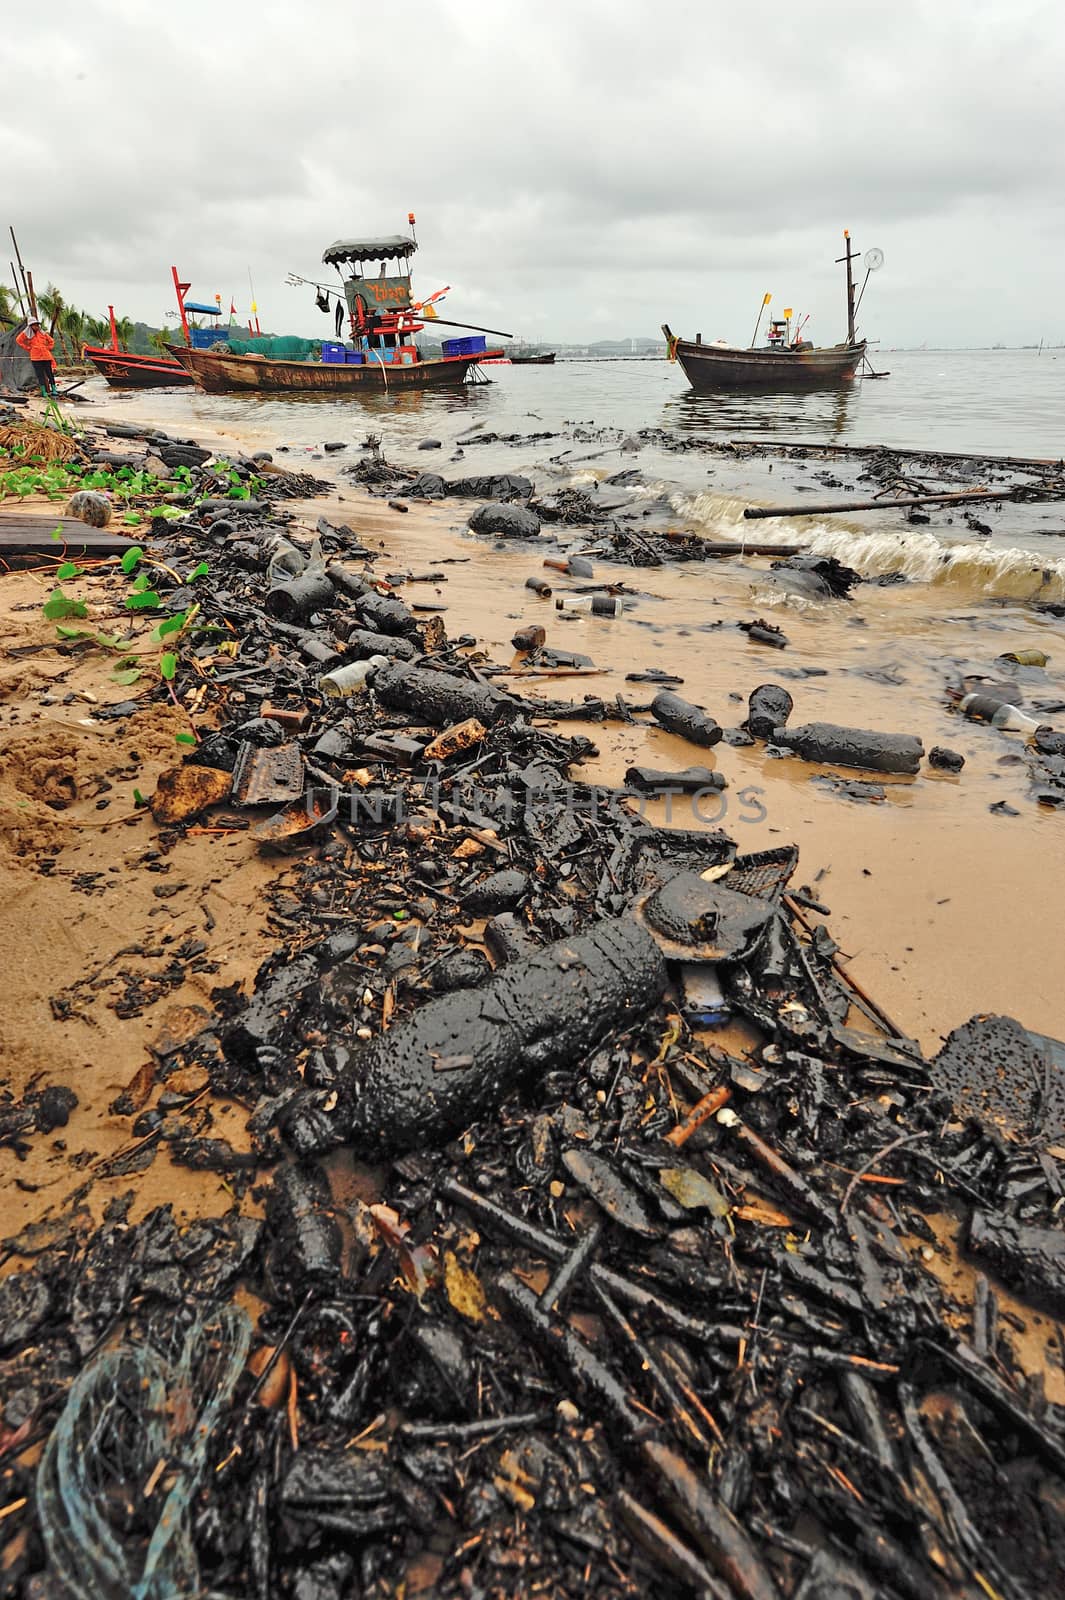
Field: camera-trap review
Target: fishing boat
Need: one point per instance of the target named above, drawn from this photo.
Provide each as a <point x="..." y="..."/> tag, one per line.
<point x="380" y="355"/>
<point x="524" y="357"/>
<point x="786" y="360"/>
<point x="125" y="370"/>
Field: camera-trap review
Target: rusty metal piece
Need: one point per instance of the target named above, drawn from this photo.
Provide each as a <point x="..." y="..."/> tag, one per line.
<point x="303" y="822"/>
<point x="461" y="736"/>
<point x="267" y="777"/>
<point x="295" y="718"/>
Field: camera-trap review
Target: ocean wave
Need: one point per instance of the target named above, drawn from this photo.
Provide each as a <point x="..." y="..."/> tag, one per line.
<point x="916" y="554"/>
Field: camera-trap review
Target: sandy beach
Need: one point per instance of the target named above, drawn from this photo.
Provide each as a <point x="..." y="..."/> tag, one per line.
<point x="934" y="898"/>
<point x="121" y="939"/>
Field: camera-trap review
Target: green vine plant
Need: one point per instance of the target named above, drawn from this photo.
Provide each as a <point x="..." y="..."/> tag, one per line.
<point x="166" y="639"/>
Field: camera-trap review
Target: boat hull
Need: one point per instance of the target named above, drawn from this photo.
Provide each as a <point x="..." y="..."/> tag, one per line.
<point x="125" y="371"/>
<point x="708" y="366"/>
<point x="225" y="374"/>
<point x="533" y="361"/>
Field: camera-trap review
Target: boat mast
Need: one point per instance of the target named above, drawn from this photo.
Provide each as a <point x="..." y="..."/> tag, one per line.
<point x="848" y="258"/>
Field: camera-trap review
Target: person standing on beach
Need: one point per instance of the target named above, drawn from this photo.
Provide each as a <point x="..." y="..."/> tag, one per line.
<point x="38" y="346"/>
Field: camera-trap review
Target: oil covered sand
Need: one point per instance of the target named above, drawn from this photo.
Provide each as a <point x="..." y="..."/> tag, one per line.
<point x="942" y="907"/>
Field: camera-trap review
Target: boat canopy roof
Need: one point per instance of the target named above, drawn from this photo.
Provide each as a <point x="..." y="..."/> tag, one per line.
<point x="203" y="310"/>
<point x="385" y="247"/>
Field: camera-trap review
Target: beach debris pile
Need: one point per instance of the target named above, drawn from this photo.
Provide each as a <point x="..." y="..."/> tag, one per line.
<point x="557" y="1289"/>
<point x="146" y="474"/>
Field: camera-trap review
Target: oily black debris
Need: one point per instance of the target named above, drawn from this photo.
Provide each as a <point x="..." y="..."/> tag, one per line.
<point x="555" y="1293"/>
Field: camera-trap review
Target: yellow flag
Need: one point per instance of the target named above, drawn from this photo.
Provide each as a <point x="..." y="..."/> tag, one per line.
<point x="787" y="311"/>
<point x="767" y="299"/>
<point x="429" y="312"/>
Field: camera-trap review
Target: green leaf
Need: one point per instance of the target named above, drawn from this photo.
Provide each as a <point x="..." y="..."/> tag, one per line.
<point x="59" y="604"/>
<point x="138" y="798"/>
<point x="184" y="738"/>
<point x="69" y="569"/>
<point x="131" y="517"/>
<point x="146" y="600"/>
<point x="126" y="676"/>
<point x="71" y="633"/>
<point x="198" y="572"/>
<point x="109" y="641"/>
<point x="168" y="665"/>
<point x="58" y="534"/>
<point x="131" y="557"/>
<point x="172" y="624"/>
<point x="141" y="581"/>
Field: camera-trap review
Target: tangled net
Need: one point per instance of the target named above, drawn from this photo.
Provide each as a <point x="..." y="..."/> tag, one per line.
<point x="137" y="1415"/>
<point x="37" y="442"/>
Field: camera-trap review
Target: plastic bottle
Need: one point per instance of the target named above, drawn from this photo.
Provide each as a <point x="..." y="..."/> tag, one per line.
<point x="300" y="598"/>
<point x="352" y="679"/>
<point x="600" y="605"/>
<point x="702" y="997"/>
<point x="1000" y="714"/>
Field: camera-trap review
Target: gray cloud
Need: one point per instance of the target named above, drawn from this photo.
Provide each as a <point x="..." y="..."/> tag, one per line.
<point x="577" y="166"/>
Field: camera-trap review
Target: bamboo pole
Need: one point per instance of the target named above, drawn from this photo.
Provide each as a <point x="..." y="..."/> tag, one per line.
<point x="841" y="507"/>
<point x="877" y="449"/>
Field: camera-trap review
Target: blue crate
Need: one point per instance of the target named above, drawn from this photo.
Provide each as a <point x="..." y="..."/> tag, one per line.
<point x="334" y="354"/>
<point x="354" y="358"/>
<point x="465" y="347"/>
<point x="204" y="338"/>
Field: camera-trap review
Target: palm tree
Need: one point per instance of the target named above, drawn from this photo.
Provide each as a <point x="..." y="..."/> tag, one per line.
<point x="125" y="331"/>
<point x="72" y="330"/>
<point x="161" y="338"/>
<point x="97" y="330"/>
<point x="49" y="304"/>
<point x="8" y="305"/>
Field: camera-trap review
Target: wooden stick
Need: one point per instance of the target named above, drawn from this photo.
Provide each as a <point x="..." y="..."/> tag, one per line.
<point x="841" y="507"/>
<point x="701" y="1112"/>
<point x="733" y="547"/>
<point x="876" y="449"/>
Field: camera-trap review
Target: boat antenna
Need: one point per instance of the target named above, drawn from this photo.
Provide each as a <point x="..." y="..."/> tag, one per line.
<point x="253" y="319"/>
<point x="873" y="260"/>
<point x="765" y="301"/>
<point x="848" y="258"/>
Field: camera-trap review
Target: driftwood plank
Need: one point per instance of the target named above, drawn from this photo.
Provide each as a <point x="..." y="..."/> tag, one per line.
<point x="26" y="540"/>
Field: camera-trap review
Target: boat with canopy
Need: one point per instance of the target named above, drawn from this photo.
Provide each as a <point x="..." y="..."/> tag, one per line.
<point x="380" y="354"/>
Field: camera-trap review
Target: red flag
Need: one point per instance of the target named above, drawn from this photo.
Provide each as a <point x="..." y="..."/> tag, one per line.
<point x="232" y="309"/>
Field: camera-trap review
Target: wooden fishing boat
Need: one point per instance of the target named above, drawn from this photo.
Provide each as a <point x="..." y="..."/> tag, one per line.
<point x="786" y="360"/>
<point x="380" y="355"/>
<point x="124" y="370"/>
<point x="218" y="373"/>
<point x="531" y="358"/>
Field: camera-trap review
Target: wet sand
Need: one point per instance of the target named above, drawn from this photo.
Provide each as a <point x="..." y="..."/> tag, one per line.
<point x="932" y="896"/>
<point x="940" y="906"/>
<point x="942" y="909"/>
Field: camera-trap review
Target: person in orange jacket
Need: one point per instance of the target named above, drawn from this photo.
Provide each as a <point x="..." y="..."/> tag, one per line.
<point x="38" y="346"/>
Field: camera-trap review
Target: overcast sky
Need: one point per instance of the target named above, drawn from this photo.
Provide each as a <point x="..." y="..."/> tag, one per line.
<point x="580" y="169"/>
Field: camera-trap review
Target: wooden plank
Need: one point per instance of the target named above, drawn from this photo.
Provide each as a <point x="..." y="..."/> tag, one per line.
<point x="26" y="541"/>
